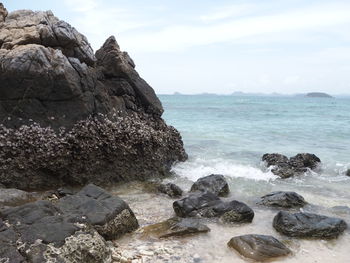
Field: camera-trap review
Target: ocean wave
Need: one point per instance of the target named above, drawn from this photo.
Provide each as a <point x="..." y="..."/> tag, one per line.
<point x="198" y="167"/>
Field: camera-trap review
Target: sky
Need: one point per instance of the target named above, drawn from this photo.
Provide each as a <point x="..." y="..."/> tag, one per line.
<point x="221" y="46"/>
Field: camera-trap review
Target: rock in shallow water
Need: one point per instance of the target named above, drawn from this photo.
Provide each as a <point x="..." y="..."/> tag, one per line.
<point x="207" y="204"/>
<point x="283" y="199"/>
<point x="215" y="183"/>
<point x="259" y="247"/>
<point x="347" y="172"/>
<point x="170" y="189"/>
<point x="295" y="165"/>
<point x="308" y="225"/>
<point x="176" y="227"/>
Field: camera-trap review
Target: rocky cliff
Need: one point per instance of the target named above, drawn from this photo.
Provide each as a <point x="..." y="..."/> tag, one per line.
<point x="69" y="116"/>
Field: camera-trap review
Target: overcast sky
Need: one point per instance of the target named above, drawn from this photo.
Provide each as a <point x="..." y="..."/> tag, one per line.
<point x="195" y="46"/>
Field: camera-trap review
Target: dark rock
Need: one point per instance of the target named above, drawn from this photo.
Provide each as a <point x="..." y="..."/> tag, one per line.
<point x="296" y="165"/>
<point x="259" y="247"/>
<point x="170" y="189"/>
<point x="283" y="199"/>
<point x="108" y="214"/>
<point x="176" y="227"/>
<point x="191" y="205"/>
<point x="347" y="172"/>
<point x="14" y="197"/>
<point x="50" y="78"/>
<point x="235" y="212"/>
<point x="215" y="183"/>
<point x="307" y="225"/>
<point x="274" y="159"/>
<point x="8" y="250"/>
<point x="67" y="230"/>
<point x="304" y="160"/>
<point x="207" y="204"/>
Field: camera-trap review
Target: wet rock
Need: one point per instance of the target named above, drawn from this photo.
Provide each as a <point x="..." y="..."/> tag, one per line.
<point x="70" y="117"/>
<point x="274" y="159"/>
<point x="14" y="197"/>
<point x="304" y="160"/>
<point x="341" y="210"/>
<point x="347" y="172"/>
<point x="215" y="183"/>
<point x="259" y="247"/>
<point x="308" y="225"/>
<point x="170" y="189"/>
<point x="296" y="165"/>
<point x="176" y="227"/>
<point x="235" y="212"/>
<point x="108" y="214"/>
<point x="190" y="206"/>
<point x="283" y="199"/>
<point x="207" y="204"/>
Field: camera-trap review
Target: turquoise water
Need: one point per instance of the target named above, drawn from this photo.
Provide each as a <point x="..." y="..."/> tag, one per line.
<point x="229" y="134"/>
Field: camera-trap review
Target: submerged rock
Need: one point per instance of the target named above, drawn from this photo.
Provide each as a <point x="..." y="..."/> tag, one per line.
<point x="308" y="225"/>
<point x="259" y="247"/>
<point x="215" y="183"/>
<point x="170" y="189"/>
<point x="296" y="165"/>
<point x="206" y="204"/>
<point x="69" y="116"/>
<point x="69" y="230"/>
<point x="283" y="199"/>
<point x="14" y="197"/>
<point x="177" y="227"/>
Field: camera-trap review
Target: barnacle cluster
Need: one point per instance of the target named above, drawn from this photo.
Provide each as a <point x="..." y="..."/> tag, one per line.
<point x="96" y="149"/>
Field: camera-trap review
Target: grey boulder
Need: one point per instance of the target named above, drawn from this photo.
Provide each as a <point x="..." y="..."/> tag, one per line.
<point x="308" y="225"/>
<point x="259" y="247"/>
<point x="283" y="199"/>
<point x="215" y="183"/>
<point x="72" y="229"/>
<point x="207" y="204"/>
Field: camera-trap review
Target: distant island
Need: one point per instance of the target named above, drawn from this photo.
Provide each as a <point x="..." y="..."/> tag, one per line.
<point x="318" y="95"/>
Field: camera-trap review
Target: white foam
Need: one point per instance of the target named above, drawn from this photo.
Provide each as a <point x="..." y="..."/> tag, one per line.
<point x="196" y="168"/>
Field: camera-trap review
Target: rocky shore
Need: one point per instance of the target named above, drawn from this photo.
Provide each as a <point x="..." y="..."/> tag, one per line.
<point x="84" y="155"/>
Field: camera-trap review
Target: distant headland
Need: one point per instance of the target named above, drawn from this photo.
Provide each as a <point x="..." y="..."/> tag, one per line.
<point x="318" y="95"/>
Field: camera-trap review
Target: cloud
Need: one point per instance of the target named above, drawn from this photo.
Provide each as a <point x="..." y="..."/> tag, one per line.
<point x="179" y="37"/>
<point x="98" y="20"/>
<point x="231" y="11"/>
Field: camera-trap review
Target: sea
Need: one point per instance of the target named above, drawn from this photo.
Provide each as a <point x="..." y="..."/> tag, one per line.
<point x="228" y="135"/>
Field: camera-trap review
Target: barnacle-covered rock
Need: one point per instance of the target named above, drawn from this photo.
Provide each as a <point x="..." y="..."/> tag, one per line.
<point x="69" y="117"/>
<point x="72" y="229"/>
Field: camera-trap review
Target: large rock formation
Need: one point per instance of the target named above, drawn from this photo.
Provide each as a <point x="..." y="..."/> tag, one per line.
<point x="50" y="78"/>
